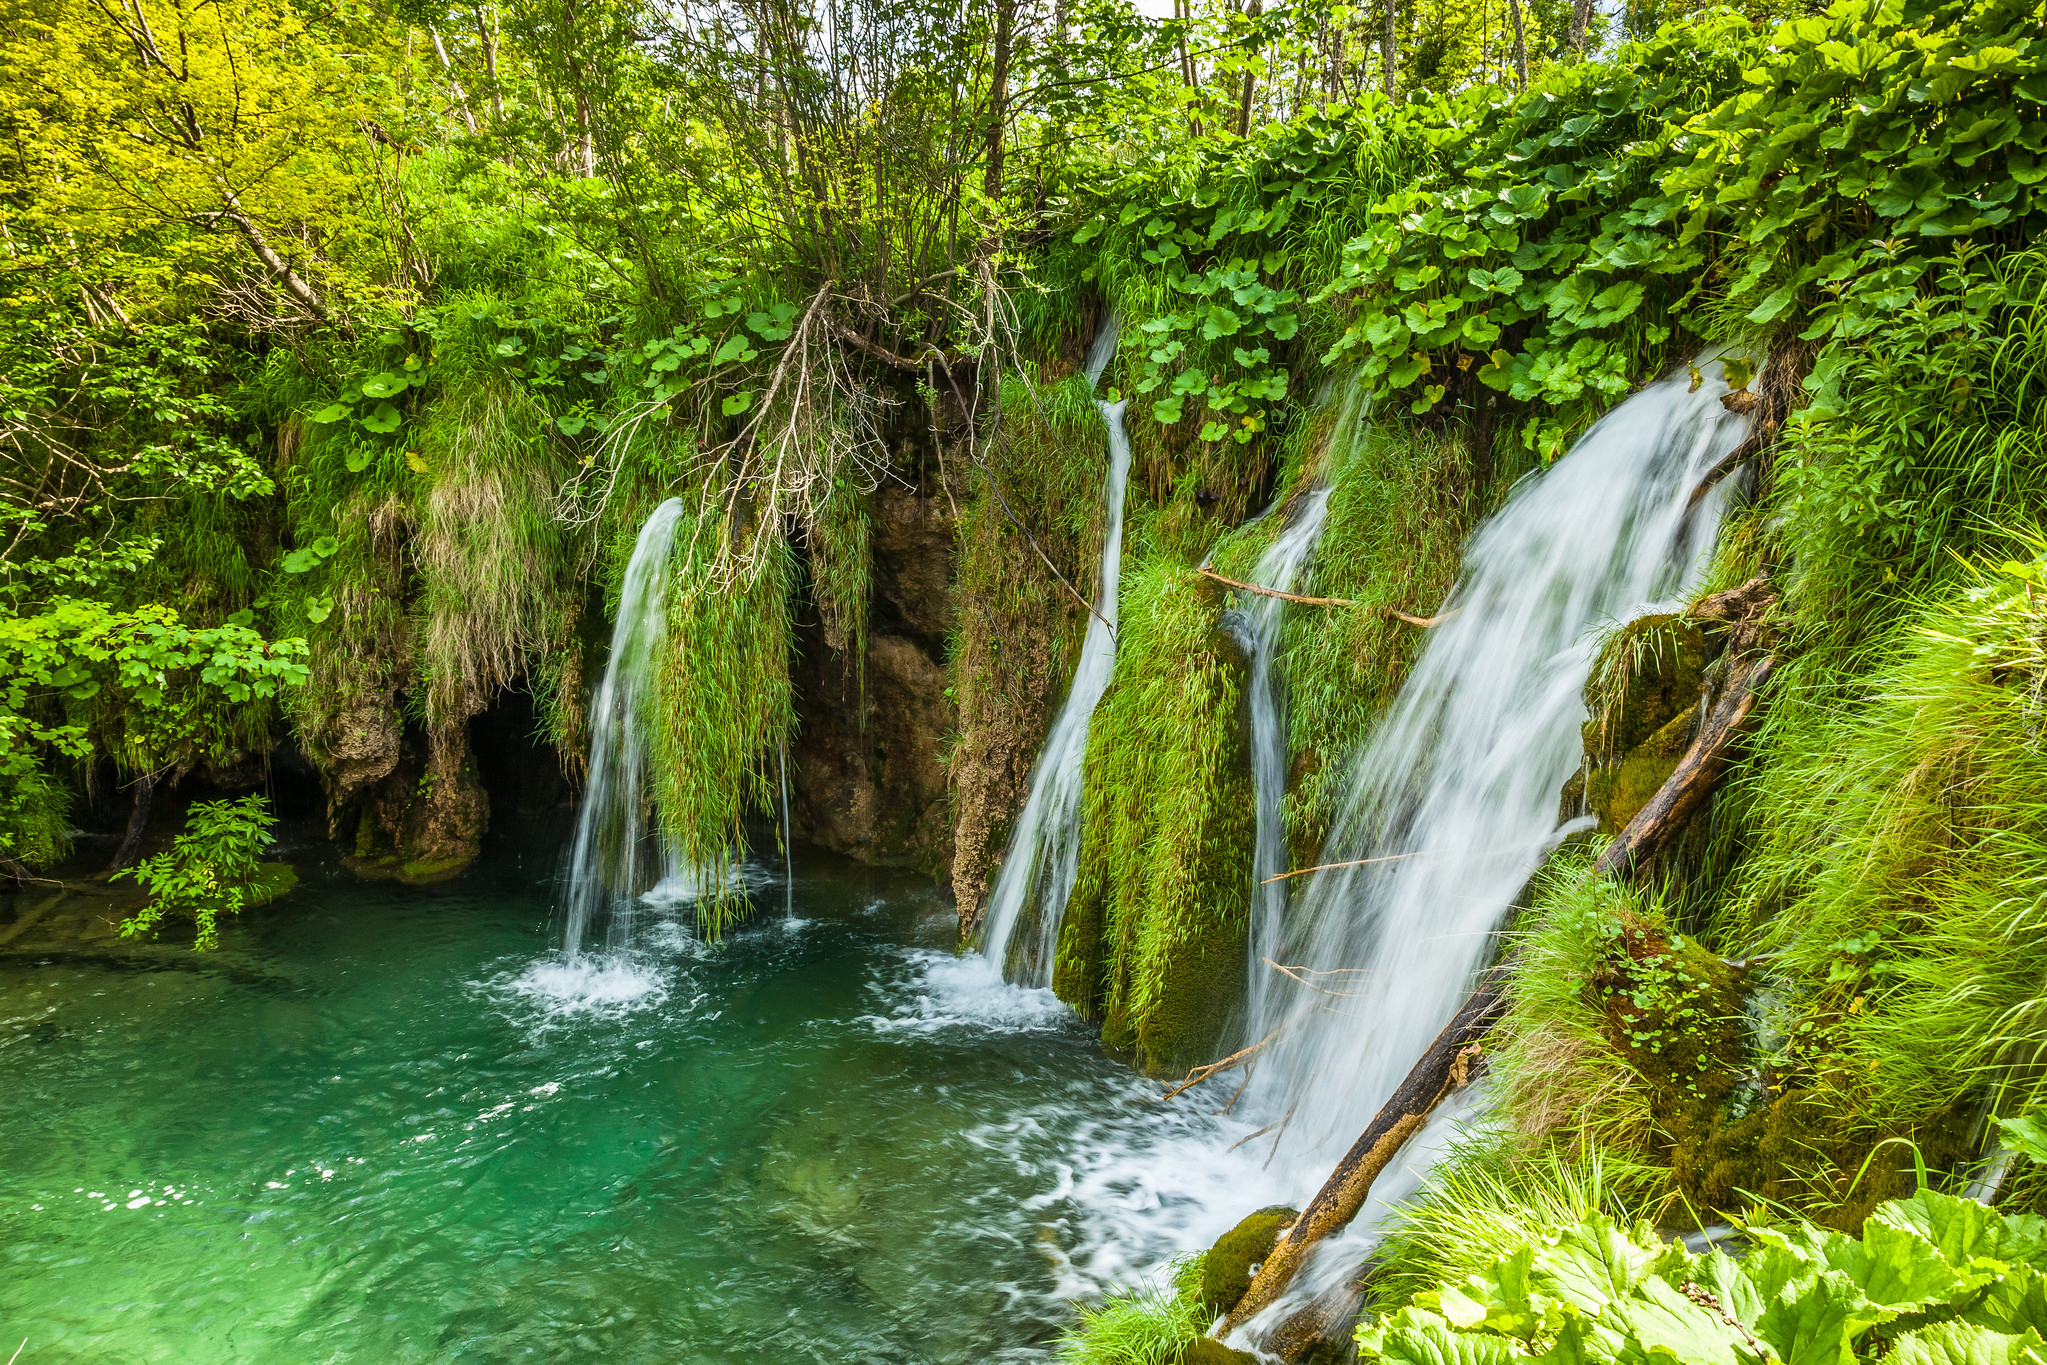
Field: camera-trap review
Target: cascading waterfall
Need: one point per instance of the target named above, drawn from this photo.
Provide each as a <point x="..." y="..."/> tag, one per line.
<point x="1037" y="872"/>
<point x="615" y="856"/>
<point x="1261" y="620"/>
<point x="1453" y="802"/>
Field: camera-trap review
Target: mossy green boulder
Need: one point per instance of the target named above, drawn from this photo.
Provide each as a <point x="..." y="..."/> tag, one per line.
<point x="1227" y="1268"/>
<point x="1209" y="1351"/>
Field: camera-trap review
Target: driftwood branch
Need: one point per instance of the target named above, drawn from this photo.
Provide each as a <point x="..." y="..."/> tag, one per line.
<point x="1443" y="1066"/>
<point x="1421" y="622"/>
<point x="1696" y="773"/>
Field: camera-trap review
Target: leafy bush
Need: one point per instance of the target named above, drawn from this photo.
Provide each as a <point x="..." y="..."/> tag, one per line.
<point x="206" y="872"/>
<point x="1932" y="1279"/>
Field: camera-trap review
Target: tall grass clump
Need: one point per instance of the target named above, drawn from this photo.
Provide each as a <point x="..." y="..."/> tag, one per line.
<point x="1488" y="1197"/>
<point x="1899" y="863"/>
<point x="1146" y="1324"/>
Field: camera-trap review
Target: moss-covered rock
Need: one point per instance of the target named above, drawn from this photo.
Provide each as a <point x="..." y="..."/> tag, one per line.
<point x="1209" y="1351"/>
<point x="1227" y="1267"/>
<point x="1643" y="696"/>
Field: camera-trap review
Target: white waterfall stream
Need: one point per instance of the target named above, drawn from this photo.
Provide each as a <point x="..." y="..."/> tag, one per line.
<point x="615" y="857"/>
<point x="1029" y="896"/>
<point x="1261" y="623"/>
<point x="1453" y="801"/>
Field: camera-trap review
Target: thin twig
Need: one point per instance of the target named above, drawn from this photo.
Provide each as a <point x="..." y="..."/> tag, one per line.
<point x="1275" y="592"/>
<point x="1356" y="862"/>
<point x="1202" y="1073"/>
<point x="1293" y="974"/>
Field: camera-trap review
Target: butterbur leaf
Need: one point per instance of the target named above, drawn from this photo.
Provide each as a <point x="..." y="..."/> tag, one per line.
<point x="325" y="545"/>
<point x="1166" y="411"/>
<point x="570" y="423"/>
<point x="384" y="385"/>
<point x="1666" y="1322"/>
<point x="1821" y="1325"/>
<point x="333" y="412"/>
<point x="1900" y="1270"/>
<point x="2026" y="1134"/>
<point x="736" y="347"/>
<point x="383" y="419"/>
<point x="1965" y="1232"/>
<point x="1962" y="1343"/>
<point x="415" y="461"/>
<point x="359" y="458"/>
<point x="300" y="561"/>
<point x="737" y="403"/>
<point x="319" y="609"/>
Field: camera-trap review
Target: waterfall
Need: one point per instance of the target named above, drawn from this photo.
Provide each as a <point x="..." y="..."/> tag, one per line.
<point x="615" y="857"/>
<point x="1029" y="896"/>
<point x="1454" y="797"/>
<point x="1260" y="622"/>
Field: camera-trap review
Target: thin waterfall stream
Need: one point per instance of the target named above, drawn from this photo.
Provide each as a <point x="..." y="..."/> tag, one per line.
<point x="1037" y="872"/>
<point x="610" y="862"/>
<point x="1455" y="796"/>
<point x="1261" y="623"/>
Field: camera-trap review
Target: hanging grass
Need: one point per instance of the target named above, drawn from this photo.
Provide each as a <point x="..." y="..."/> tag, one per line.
<point x="1146" y="1324"/>
<point x="727" y="707"/>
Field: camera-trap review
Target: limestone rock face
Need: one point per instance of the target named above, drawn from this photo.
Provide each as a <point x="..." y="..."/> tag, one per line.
<point x="867" y="772"/>
<point x="424" y="822"/>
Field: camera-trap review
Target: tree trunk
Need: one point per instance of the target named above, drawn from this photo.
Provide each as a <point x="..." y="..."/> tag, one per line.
<point x="1581" y="23"/>
<point x="1250" y="82"/>
<point x="138" y="821"/>
<point x="1388" y="43"/>
<point x="1520" y="45"/>
<point x="454" y="81"/>
<point x="998" y="96"/>
<point x="1443" y="1066"/>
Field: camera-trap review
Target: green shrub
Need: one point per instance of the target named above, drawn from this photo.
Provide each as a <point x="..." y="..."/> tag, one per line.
<point x="206" y="872"/>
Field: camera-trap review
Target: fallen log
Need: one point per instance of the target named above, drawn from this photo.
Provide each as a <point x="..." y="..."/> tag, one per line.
<point x="1444" y="1066"/>
<point x="1697" y="772"/>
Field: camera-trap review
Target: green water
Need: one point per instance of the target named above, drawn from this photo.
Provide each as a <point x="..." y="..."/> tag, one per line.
<point x="359" y="1134"/>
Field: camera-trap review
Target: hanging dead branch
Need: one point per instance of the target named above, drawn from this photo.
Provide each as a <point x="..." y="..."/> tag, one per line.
<point x="1216" y="1068"/>
<point x="1275" y="592"/>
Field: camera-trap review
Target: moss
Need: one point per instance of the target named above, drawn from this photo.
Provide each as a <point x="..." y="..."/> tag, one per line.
<point x="269" y="882"/>
<point x="1227" y="1267"/>
<point x="1152" y="943"/>
<point x="1039" y="491"/>
<point x="1209" y="1351"/>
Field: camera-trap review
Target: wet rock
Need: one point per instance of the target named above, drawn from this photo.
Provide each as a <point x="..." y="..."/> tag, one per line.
<point x="1227" y="1268"/>
<point x="867" y="767"/>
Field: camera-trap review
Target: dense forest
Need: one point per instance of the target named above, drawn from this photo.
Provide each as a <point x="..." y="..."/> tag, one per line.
<point x="347" y="351"/>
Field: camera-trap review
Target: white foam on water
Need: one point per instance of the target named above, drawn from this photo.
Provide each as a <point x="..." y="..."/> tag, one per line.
<point x="943" y="991"/>
<point x="603" y="985"/>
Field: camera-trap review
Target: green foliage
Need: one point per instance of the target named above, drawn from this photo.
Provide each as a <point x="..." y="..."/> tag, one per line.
<point x="1143" y="1325"/>
<point x="1931" y="1278"/>
<point x="205" y="873"/>
<point x="1925" y="433"/>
